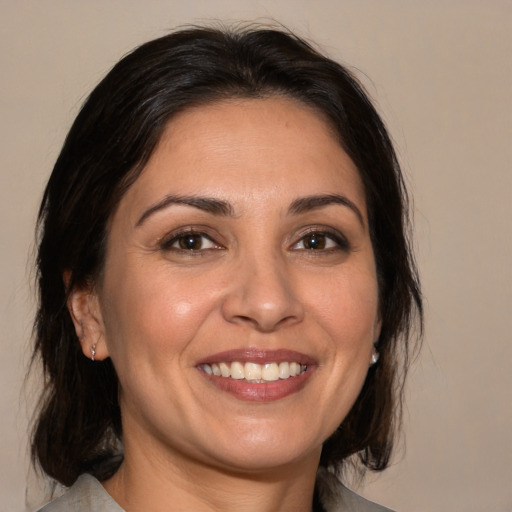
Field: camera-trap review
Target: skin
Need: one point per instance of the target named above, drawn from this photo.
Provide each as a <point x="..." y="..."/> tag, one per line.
<point x="254" y="283"/>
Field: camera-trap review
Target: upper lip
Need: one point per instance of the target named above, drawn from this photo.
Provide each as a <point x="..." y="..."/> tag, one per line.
<point x="257" y="355"/>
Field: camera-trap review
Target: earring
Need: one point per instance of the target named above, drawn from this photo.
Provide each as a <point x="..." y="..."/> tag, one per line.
<point x="93" y="352"/>
<point x="375" y="358"/>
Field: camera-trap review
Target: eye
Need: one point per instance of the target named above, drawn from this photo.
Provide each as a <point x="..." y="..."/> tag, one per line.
<point x="321" y="241"/>
<point x="190" y="241"/>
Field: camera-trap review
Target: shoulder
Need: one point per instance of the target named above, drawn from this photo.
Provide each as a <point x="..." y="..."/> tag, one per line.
<point x="86" y="494"/>
<point x="335" y="497"/>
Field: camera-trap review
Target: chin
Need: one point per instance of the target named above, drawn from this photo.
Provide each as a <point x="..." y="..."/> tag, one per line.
<point x="260" y="452"/>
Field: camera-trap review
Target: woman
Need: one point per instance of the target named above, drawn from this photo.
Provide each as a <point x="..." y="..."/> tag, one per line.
<point x="226" y="288"/>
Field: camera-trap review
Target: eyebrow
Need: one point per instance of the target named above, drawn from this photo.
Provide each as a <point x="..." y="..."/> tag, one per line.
<point x="206" y="204"/>
<point x="223" y="208"/>
<point x="306" y="204"/>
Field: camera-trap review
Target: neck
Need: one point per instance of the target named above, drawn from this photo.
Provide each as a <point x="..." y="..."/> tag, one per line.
<point x="157" y="483"/>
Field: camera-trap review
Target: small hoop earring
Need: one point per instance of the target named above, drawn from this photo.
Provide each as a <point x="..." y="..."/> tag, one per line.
<point x="93" y="352"/>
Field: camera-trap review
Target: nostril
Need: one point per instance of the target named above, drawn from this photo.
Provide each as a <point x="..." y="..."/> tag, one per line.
<point x="262" y="296"/>
<point x="266" y="319"/>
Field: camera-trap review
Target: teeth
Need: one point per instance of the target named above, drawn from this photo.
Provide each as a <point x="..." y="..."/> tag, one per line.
<point x="270" y="372"/>
<point x="284" y="370"/>
<point x="254" y="372"/>
<point x="237" y="371"/>
<point x="225" y="370"/>
<point x="294" y="369"/>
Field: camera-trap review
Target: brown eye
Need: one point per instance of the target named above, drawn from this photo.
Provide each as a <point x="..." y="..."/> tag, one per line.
<point x="321" y="241"/>
<point x="190" y="242"/>
<point x="314" y="241"/>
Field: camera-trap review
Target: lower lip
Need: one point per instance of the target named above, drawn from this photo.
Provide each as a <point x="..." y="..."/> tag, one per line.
<point x="260" y="392"/>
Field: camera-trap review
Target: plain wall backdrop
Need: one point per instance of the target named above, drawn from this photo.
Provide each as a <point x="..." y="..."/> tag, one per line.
<point x="441" y="74"/>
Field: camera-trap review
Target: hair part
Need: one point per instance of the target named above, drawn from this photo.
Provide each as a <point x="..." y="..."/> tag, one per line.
<point x="118" y="128"/>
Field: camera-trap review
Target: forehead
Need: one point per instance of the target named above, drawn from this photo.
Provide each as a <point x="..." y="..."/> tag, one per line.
<point x="240" y="148"/>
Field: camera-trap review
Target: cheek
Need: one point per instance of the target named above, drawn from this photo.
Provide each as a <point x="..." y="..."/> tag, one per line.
<point x="153" y="311"/>
<point x="347" y="306"/>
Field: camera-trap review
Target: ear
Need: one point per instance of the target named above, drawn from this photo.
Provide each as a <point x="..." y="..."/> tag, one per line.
<point x="376" y="330"/>
<point x="84" y="307"/>
<point x="376" y="334"/>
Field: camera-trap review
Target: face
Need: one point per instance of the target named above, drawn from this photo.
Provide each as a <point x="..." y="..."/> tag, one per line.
<point x="239" y="296"/>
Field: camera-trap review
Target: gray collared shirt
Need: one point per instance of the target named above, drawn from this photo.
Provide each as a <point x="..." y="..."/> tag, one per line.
<point x="88" y="495"/>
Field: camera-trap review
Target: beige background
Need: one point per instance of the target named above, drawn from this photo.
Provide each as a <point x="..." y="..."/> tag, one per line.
<point x="441" y="73"/>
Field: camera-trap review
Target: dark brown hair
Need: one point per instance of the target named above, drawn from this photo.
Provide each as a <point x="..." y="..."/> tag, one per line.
<point x="79" y="425"/>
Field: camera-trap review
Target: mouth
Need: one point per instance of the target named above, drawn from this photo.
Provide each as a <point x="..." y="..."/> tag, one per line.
<point x="255" y="372"/>
<point x="258" y="375"/>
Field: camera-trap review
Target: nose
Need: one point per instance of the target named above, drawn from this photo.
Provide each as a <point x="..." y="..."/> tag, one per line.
<point x="263" y="295"/>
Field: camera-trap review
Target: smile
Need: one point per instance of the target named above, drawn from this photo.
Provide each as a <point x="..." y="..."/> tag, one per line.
<point x="255" y="372"/>
<point x="258" y="375"/>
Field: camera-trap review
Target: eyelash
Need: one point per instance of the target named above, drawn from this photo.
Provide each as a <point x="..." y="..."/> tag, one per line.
<point x="337" y="239"/>
<point x="324" y="236"/>
<point x="169" y="243"/>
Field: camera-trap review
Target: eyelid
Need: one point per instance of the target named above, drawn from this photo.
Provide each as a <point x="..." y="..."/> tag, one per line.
<point x="167" y="242"/>
<point x="333" y="234"/>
